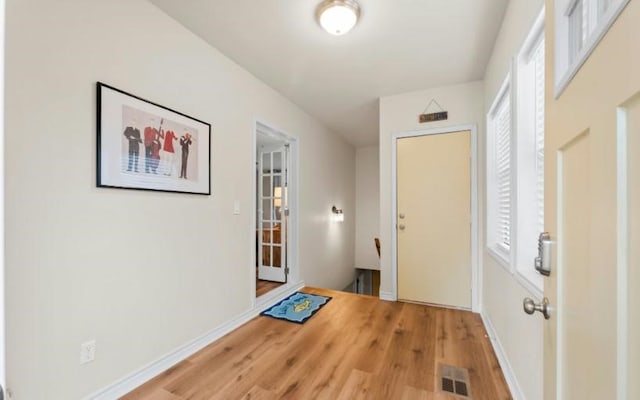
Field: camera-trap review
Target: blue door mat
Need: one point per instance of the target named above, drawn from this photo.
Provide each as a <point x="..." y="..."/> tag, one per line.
<point x="298" y="307"/>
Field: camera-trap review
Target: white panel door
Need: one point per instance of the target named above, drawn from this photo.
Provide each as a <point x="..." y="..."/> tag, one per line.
<point x="592" y="208"/>
<point x="434" y="219"/>
<point x="272" y="211"/>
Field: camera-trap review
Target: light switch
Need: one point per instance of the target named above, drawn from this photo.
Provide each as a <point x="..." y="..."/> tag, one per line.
<point x="236" y="207"/>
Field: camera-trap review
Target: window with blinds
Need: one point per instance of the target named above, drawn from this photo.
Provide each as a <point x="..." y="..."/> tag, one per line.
<point x="538" y="78"/>
<point x="515" y="145"/>
<point x="502" y="133"/>
<point x="499" y="175"/>
<point x="529" y="154"/>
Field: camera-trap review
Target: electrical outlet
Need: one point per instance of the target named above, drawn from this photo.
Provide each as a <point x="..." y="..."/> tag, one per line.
<point x="87" y="351"/>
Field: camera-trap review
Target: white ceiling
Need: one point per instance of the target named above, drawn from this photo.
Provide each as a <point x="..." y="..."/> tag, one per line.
<point x="397" y="46"/>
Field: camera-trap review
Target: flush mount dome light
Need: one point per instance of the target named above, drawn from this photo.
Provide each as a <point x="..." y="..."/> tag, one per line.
<point x="338" y="16"/>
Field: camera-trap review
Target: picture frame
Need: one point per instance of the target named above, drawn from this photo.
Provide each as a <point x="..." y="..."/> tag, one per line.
<point x="145" y="146"/>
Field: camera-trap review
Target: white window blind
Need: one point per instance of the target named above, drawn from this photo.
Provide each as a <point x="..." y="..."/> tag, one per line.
<point x="502" y="132"/>
<point x="527" y="216"/>
<point x="538" y="61"/>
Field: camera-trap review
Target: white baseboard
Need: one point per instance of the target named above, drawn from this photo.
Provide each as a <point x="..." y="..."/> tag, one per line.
<point x="276" y="294"/>
<point x="146" y="373"/>
<point x="509" y="376"/>
<point x="387" y="296"/>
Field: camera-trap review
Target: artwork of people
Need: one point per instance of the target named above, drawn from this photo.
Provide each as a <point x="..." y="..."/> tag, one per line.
<point x="185" y="142"/>
<point x="168" y="153"/>
<point x="133" y="136"/>
<point x="143" y="145"/>
<point x="159" y="140"/>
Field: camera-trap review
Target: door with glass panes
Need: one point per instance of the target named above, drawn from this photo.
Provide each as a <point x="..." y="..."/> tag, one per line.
<point x="592" y="211"/>
<point x="272" y="214"/>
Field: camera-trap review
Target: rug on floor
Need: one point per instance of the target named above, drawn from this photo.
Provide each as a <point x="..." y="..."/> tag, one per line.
<point x="298" y="307"/>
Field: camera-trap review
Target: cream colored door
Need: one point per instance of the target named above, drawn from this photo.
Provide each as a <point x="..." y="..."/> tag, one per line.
<point x="592" y="210"/>
<point x="434" y="219"/>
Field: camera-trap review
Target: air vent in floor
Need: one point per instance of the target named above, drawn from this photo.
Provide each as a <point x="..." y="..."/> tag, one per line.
<point x="454" y="380"/>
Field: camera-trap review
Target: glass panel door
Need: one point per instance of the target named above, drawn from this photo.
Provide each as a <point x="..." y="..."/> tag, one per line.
<point x="272" y="215"/>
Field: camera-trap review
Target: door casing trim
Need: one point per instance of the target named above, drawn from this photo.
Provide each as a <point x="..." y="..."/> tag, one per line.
<point x="622" y="250"/>
<point x="476" y="274"/>
<point x="293" y="279"/>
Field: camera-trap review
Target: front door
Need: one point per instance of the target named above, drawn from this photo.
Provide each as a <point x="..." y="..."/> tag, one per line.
<point x="592" y="211"/>
<point x="434" y="219"/>
<point x="272" y="214"/>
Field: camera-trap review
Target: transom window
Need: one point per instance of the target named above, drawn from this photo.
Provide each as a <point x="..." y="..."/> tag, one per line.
<point x="580" y="24"/>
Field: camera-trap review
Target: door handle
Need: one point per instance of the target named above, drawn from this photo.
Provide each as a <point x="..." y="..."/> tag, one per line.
<point x="531" y="307"/>
<point x="401" y="227"/>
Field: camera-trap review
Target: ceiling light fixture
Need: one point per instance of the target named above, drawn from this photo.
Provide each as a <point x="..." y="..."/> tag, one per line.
<point x="338" y="16"/>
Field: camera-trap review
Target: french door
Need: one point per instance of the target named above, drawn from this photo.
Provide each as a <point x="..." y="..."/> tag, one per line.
<point x="273" y="167"/>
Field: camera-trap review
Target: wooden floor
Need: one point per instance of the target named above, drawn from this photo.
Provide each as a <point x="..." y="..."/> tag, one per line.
<point x="356" y="347"/>
<point x="263" y="287"/>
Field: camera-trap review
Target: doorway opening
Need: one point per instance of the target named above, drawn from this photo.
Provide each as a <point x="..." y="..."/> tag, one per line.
<point x="275" y="200"/>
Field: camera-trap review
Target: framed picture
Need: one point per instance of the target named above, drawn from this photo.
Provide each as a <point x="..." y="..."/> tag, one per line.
<point x="145" y="146"/>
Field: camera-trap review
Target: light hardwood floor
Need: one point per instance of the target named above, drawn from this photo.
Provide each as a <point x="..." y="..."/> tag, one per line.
<point x="264" y="287"/>
<point x="356" y="347"/>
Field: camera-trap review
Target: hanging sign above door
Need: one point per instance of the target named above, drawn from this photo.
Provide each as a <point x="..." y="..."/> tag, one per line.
<point x="434" y="116"/>
<point x="437" y="116"/>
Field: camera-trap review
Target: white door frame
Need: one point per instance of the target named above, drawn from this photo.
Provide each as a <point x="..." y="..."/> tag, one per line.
<point x="293" y="278"/>
<point x="3" y="338"/>
<point x="475" y="271"/>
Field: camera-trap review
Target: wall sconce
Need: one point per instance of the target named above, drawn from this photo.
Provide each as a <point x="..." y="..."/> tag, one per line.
<point x="338" y="215"/>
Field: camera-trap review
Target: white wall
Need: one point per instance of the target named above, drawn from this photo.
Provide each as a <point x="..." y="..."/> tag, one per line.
<point x="367" y="206"/>
<point x="140" y="272"/>
<point x="520" y="335"/>
<point x="399" y="113"/>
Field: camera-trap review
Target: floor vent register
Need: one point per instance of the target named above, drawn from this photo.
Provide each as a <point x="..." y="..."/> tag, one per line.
<point x="454" y="380"/>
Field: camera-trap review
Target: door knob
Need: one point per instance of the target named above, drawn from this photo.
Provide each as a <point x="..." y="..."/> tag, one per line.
<point x="401" y="227"/>
<point x="531" y="306"/>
